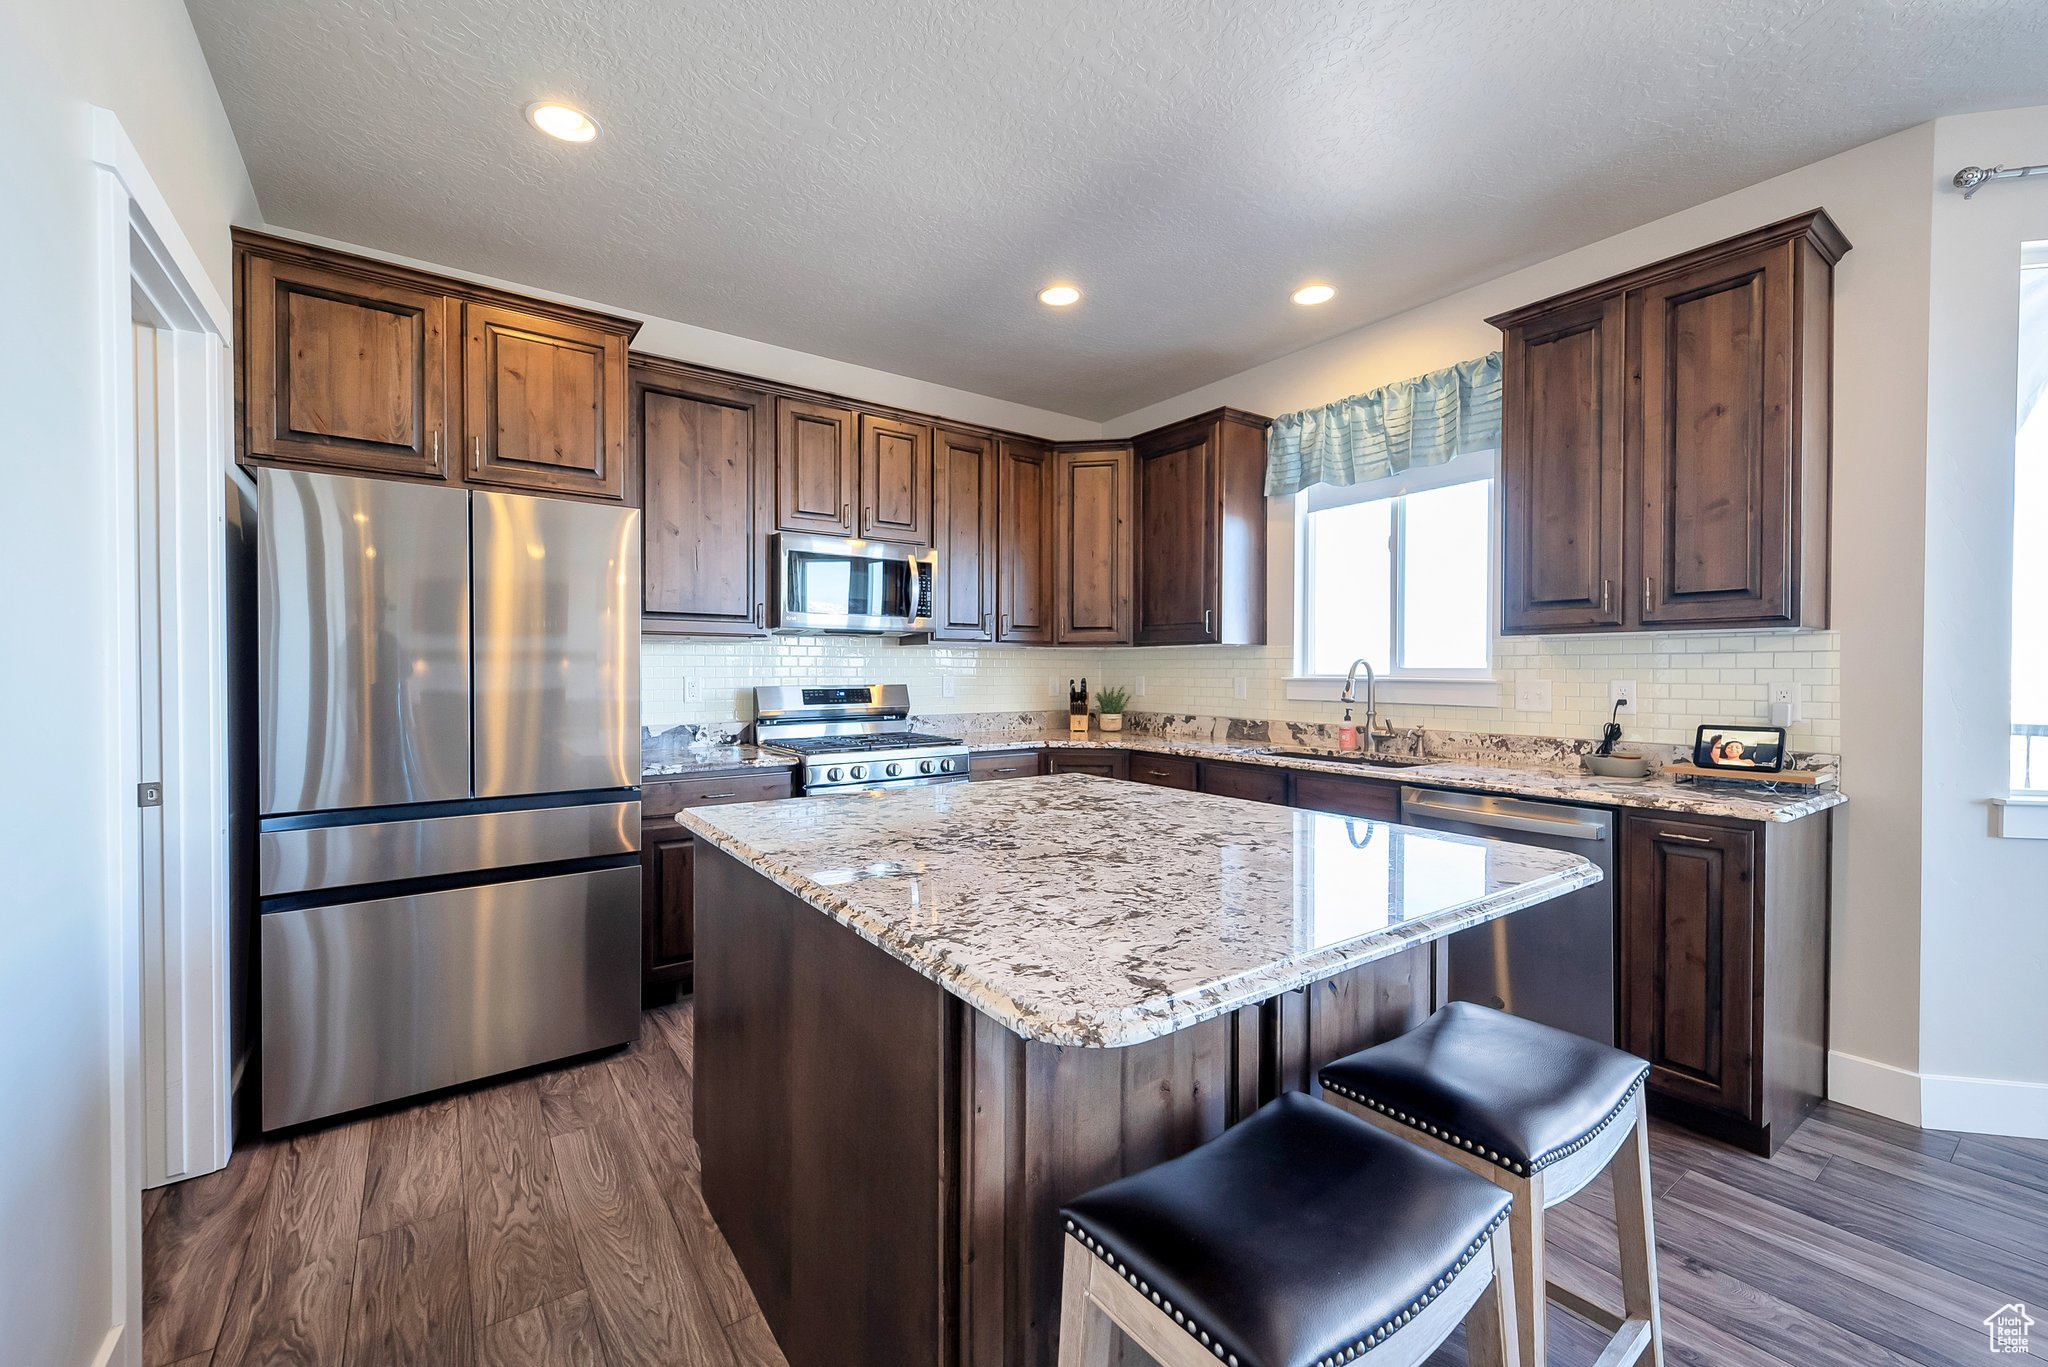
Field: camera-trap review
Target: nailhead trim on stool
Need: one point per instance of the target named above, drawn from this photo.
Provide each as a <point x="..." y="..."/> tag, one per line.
<point x="1351" y="1353"/>
<point x="1540" y="1162"/>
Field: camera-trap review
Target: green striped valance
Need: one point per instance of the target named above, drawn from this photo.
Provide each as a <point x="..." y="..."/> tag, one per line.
<point x="1388" y="431"/>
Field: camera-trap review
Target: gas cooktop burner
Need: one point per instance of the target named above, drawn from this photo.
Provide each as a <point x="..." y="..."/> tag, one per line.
<point x="832" y="745"/>
<point x="854" y="737"/>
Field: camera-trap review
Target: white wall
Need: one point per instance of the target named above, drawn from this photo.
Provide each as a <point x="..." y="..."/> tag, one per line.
<point x="1984" y="901"/>
<point x="60" y="1291"/>
<point x="1881" y="195"/>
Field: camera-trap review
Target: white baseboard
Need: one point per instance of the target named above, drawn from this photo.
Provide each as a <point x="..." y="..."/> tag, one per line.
<point x="1879" y="1088"/>
<point x="1937" y="1101"/>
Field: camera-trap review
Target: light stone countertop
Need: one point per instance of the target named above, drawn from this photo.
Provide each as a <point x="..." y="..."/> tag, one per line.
<point x="1088" y="911"/>
<point x="1732" y="798"/>
<point x="719" y="759"/>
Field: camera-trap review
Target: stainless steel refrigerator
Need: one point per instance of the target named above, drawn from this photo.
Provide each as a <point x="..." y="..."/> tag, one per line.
<point x="449" y="761"/>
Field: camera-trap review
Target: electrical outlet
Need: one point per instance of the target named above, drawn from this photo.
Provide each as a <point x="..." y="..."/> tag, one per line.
<point x="945" y="685"/>
<point x="1138" y="687"/>
<point x="1784" y="704"/>
<point x="1241" y="686"/>
<point x="1622" y="691"/>
<point x="693" y="691"/>
<point x="1532" y="695"/>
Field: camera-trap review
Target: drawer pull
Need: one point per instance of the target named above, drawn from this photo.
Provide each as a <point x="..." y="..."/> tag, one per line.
<point x="1691" y="839"/>
<point x="713" y="797"/>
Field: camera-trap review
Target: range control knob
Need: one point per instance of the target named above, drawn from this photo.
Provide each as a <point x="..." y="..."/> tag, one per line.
<point x="926" y="766"/>
<point x="945" y="766"/>
<point x="859" y="771"/>
<point x="832" y="775"/>
<point x="894" y="770"/>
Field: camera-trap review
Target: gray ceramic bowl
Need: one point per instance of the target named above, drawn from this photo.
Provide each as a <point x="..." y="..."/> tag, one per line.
<point x="1618" y="766"/>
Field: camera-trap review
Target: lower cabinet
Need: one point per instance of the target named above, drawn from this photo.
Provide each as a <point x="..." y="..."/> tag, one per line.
<point x="1101" y="763"/>
<point x="668" y="867"/>
<point x="1355" y="797"/>
<point x="1252" y="782"/>
<point x="994" y="764"/>
<point x="1724" y="969"/>
<point x="1163" y="771"/>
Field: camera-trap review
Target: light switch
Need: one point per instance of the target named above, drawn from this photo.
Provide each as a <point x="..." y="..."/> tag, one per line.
<point x="945" y="685"/>
<point x="1241" y="686"/>
<point x="1138" y="687"/>
<point x="693" y="691"/>
<point x="1532" y="695"/>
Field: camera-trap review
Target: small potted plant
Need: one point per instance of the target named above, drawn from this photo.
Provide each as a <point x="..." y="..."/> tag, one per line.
<point x="1111" y="701"/>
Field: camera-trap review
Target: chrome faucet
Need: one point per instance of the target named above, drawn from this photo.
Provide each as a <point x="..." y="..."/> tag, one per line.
<point x="1373" y="730"/>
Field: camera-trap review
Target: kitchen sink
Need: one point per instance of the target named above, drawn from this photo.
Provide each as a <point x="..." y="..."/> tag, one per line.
<point x="1361" y="759"/>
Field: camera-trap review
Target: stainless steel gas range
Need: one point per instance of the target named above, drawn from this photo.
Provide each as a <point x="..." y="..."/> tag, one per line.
<point x="852" y="738"/>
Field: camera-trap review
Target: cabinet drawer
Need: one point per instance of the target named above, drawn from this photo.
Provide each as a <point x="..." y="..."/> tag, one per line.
<point x="1348" y="796"/>
<point x="1251" y="782"/>
<point x="1005" y="764"/>
<point x="1165" y="771"/>
<point x="671" y="795"/>
<point x="1101" y="763"/>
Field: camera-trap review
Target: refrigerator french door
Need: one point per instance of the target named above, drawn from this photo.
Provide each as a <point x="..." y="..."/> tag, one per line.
<point x="449" y="766"/>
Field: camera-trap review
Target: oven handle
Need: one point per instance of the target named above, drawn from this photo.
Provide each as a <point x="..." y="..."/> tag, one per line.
<point x="1421" y="802"/>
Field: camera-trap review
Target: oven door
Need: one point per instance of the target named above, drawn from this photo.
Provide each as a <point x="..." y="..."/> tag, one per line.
<point x="827" y="584"/>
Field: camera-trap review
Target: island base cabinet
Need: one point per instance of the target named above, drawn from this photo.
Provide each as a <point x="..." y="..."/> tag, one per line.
<point x="888" y="1164"/>
<point x="1724" y="970"/>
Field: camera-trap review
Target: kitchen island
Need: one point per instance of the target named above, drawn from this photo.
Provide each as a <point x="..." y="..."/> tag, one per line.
<point x="927" y="1017"/>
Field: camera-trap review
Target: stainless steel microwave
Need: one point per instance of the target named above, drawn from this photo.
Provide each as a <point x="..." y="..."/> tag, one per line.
<point x="825" y="583"/>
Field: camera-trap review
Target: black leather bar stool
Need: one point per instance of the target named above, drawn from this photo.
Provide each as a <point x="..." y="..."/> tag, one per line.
<point x="1300" y="1238"/>
<point x="1540" y="1113"/>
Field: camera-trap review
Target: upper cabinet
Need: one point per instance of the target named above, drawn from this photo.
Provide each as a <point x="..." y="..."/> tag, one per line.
<point x="357" y="366"/>
<point x="1092" y="553"/>
<point x="964" y="533"/>
<point x="1024" y="481"/>
<point x="346" y="372"/>
<point x="895" y="480"/>
<point x="815" y="473"/>
<point x="701" y="448"/>
<point x="1664" y="453"/>
<point x="1201" y="531"/>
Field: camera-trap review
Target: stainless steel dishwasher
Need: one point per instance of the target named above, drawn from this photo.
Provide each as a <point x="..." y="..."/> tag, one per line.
<point x="1555" y="962"/>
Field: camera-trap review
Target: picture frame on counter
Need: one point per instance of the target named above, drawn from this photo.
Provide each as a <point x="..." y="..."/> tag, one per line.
<point x="1745" y="749"/>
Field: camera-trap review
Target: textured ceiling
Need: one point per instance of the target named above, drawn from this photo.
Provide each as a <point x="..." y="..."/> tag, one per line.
<point x="890" y="184"/>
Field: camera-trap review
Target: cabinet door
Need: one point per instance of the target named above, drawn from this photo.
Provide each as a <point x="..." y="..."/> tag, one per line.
<point x="1176" y="498"/>
<point x="346" y="373"/>
<point x="667" y="920"/>
<point x="1355" y="797"/>
<point x="1564" y="520"/>
<point x="1162" y="771"/>
<point x="1718" y="441"/>
<point x="701" y="449"/>
<point x="1101" y="763"/>
<point x="1023" y="542"/>
<point x="814" y="468"/>
<point x="544" y="404"/>
<point x="1687" y="957"/>
<point x="895" y="480"/>
<point x="1092" y="546"/>
<point x="1251" y="782"/>
<point x="964" y="531"/>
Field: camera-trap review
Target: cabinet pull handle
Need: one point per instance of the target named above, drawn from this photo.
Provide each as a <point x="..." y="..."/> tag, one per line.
<point x="1646" y="593"/>
<point x="1690" y="839"/>
<point x="1606" y="595"/>
<point x="846" y="513"/>
<point x="713" y="797"/>
<point x="437" y="446"/>
<point x="1208" y="614"/>
<point x="476" y="453"/>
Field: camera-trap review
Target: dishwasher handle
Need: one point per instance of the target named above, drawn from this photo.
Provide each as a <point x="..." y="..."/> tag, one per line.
<point x="1423" y="802"/>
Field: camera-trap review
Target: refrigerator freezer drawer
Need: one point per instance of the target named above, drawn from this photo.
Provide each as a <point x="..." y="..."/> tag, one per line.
<point x="317" y="857"/>
<point x="372" y="1001"/>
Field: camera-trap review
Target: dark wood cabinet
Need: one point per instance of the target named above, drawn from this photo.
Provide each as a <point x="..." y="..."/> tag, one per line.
<point x="366" y="368"/>
<point x="1251" y="782"/>
<point x="1023" y="542"/>
<point x="995" y="764"/>
<point x="544" y="403"/>
<point x="667" y="912"/>
<point x="347" y="372"/>
<point x="816" y="473"/>
<point x="1101" y="763"/>
<point x="1354" y="797"/>
<point x="1162" y="771"/>
<point x="964" y="532"/>
<point x="702" y="453"/>
<point x="1201" y="531"/>
<point x="1724" y="969"/>
<point x="1665" y="441"/>
<point x="1564" y="514"/>
<point x="1092" y="545"/>
<point x="895" y="480"/>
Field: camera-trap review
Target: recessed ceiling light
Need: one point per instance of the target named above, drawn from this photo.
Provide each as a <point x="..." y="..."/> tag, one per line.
<point x="1314" y="294"/>
<point x="563" y="121"/>
<point x="1059" y="296"/>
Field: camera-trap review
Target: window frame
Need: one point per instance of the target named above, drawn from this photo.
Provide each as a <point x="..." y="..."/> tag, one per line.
<point x="1477" y="687"/>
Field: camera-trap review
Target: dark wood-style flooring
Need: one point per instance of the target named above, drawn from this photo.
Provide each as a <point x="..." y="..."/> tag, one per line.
<point x="556" y="1220"/>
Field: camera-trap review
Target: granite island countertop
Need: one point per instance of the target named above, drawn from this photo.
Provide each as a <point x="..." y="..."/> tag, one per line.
<point x="1089" y="911"/>
<point x="1733" y="798"/>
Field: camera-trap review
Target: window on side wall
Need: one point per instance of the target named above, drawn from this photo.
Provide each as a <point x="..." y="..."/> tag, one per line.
<point x="2030" y="533"/>
<point x="1400" y="572"/>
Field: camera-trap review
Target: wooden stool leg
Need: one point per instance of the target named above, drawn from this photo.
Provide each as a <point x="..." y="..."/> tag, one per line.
<point x="1086" y="1333"/>
<point x="1532" y="1278"/>
<point x="1637" y="1231"/>
<point x="1491" y="1338"/>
